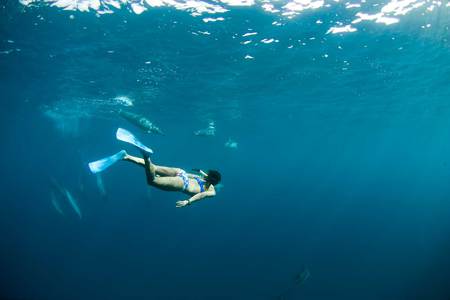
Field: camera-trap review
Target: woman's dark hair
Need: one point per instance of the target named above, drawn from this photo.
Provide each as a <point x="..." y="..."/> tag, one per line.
<point x="213" y="177"/>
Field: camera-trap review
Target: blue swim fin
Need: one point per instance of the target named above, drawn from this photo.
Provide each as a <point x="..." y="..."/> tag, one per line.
<point x="127" y="137"/>
<point x="102" y="164"/>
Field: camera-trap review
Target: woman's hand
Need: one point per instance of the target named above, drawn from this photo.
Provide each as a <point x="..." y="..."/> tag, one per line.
<point x="182" y="203"/>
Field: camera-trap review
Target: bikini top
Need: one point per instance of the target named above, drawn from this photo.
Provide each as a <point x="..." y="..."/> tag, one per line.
<point x="201" y="184"/>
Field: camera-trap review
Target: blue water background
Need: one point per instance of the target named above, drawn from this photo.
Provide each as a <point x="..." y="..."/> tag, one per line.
<point x="345" y="172"/>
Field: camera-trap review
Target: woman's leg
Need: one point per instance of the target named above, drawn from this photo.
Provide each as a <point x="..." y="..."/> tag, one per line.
<point x="167" y="171"/>
<point x="168" y="183"/>
<point x="168" y="180"/>
<point x="134" y="159"/>
<point x="172" y="183"/>
<point x="149" y="168"/>
<point x="159" y="170"/>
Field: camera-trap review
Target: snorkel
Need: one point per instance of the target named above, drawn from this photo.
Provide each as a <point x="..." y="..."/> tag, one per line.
<point x="213" y="177"/>
<point x="201" y="172"/>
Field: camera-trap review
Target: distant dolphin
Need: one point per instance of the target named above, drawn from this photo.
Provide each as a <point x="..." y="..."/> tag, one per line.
<point x="231" y="144"/>
<point x="73" y="203"/>
<point x="140" y="121"/>
<point x="209" y="131"/>
<point x="299" y="279"/>
<point x="100" y="185"/>
<point x="56" y="203"/>
<point x="58" y="193"/>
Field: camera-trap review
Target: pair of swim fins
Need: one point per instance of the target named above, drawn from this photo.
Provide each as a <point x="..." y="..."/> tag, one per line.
<point x="124" y="136"/>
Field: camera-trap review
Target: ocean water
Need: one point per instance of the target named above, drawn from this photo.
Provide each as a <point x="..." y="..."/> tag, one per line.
<point x="332" y="134"/>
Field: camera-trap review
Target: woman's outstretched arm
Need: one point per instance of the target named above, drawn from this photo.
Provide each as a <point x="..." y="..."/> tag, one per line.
<point x="196" y="197"/>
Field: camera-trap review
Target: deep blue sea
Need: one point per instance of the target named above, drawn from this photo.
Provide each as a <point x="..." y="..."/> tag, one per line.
<point x="337" y="185"/>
